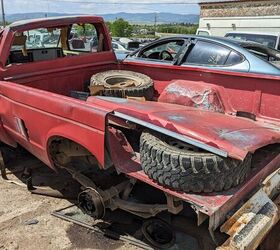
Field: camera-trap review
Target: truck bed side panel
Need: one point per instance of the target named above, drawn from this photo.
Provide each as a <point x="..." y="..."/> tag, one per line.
<point x="31" y="117"/>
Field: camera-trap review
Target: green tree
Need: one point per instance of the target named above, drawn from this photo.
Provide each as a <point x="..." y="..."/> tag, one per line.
<point x="177" y="28"/>
<point x="84" y="29"/>
<point x="121" y="28"/>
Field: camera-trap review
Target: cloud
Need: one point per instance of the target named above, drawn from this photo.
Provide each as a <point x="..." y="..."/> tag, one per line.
<point x="99" y="6"/>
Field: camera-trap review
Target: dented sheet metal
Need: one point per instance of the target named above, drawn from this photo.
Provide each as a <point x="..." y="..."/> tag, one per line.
<point x="235" y="135"/>
<point x="216" y="206"/>
<point x="172" y="134"/>
<point x="253" y="221"/>
<point x="193" y="94"/>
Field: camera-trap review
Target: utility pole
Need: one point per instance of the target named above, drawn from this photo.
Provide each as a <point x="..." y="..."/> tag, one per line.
<point x="3" y="13"/>
<point x="48" y="9"/>
<point x="155" y="23"/>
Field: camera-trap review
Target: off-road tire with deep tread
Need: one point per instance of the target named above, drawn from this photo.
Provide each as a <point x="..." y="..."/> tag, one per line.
<point x="187" y="170"/>
<point x="144" y="87"/>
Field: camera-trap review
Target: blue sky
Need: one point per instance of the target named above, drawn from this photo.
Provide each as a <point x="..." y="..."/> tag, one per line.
<point x="81" y="7"/>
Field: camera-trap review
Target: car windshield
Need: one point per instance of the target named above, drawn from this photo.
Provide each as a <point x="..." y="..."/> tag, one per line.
<point x="267" y="40"/>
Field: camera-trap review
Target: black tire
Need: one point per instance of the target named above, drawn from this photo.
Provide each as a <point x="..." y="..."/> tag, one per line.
<point x="143" y="85"/>
<point x="200" y="234"/>
<point x="184" y="168"/>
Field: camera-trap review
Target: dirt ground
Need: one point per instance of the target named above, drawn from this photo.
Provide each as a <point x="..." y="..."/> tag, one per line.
<point x="26" y="221"/>
<point x="19" y="208"/>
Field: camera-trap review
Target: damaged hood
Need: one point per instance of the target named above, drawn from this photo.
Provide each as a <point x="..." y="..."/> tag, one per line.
<point x="234" y="135"/>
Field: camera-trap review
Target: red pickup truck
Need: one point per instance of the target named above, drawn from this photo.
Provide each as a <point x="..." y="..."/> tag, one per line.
<point x="206" y="139"/>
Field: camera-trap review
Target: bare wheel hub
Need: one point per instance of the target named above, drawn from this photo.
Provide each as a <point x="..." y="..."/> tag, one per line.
<point x="91" y="203"/>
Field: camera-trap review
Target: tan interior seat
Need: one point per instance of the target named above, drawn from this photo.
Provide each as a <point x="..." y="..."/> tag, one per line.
<point x="20" y="40"/>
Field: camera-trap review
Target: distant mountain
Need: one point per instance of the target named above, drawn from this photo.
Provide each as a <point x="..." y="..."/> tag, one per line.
<point x="150" y="17"/>
<point x="24" y="16"/>
<point x="141" y="18"/>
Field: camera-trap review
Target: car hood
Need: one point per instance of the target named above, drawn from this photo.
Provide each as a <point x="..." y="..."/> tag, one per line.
<point x="235" y="135"/>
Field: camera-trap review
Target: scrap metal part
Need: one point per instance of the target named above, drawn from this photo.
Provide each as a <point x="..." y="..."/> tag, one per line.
<point x="62" y="214"/>
<point x="249" y="226"/>
<point x="94" y="200"/>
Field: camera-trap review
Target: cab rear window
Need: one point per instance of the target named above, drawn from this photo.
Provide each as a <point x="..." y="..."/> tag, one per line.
<point x="36" y="39"/>
<point x="55" y="42"/>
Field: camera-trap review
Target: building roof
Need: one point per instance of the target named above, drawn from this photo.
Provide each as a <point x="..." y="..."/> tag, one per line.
<point x="223" y="1"/>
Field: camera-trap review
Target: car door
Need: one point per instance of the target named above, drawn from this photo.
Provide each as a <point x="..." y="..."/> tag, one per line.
<point x="208" y="54"/>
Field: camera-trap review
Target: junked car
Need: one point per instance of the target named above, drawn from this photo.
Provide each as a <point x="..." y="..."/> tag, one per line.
<point x="202" y="139"/>
<point x="118" y="48"/>
<point x="120" y="51"/>
<point x="205" y="52"/>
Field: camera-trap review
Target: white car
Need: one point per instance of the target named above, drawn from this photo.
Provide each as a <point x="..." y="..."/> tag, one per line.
<point x="269" y="39"/>
<point x="118" y="48"/>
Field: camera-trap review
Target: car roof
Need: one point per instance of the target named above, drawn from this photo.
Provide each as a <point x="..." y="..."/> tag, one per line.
<point x="221" y="40"/>
<point x="52" y="21"/>
<point x="238" y="45"/>
<point x="254" y="33"/>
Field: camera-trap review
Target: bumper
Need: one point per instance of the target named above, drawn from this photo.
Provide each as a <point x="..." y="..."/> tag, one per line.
<point x="249" y="226"/>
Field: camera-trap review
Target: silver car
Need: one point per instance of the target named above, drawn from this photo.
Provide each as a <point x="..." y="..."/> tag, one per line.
<point x="210" y="52"/>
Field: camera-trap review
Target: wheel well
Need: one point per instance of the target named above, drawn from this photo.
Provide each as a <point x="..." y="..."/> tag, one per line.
<point x="63" y="151"/>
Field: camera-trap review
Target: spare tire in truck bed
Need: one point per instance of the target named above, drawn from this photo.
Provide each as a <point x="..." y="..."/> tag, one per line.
<point x="185" y="168"/>
<point x="122" y="83"/>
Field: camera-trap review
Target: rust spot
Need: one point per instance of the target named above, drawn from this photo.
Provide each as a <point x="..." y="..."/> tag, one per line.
<point x="268" y="184"/>
<point x="233" y="221"/>
<point x="234" y="228"/>
<point x="249" y="206"/>
<point x="245" y="220"/>
<point x="229" y="223"/>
